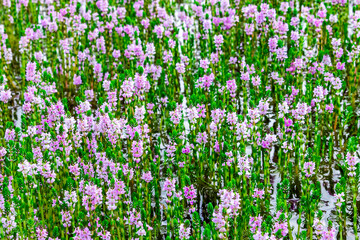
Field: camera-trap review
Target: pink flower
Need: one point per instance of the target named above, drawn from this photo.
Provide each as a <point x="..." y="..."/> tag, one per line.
<point x="147" y="177"/>
<point x="309" y="168"/>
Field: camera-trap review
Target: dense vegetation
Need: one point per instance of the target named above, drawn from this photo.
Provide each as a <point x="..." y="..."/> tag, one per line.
<point x="212" y="119"/>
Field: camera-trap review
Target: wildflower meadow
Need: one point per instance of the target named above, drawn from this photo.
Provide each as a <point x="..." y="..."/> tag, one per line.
<point x="179" y="119"/>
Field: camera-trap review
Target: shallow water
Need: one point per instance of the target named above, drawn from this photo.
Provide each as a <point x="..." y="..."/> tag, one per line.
<point x="330" y="174"/>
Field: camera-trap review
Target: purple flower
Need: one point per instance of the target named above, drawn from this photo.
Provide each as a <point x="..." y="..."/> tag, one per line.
<point x="30" y="71"/>
<point x="218" y="40"/>
<point x="309" y="168"/>
<point x="5" y="95"/>
<point x="184" y="233"/>
<point x="258" y="193"/>
<point x="351" y="160"/>
<point x="190" y="193"/>
<point x="329" y="107"/>
<point x="180" y="67"/>
<point x="340" y="66"/>
<point x="169" y="186"/>
<point x="147" y="177"/>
